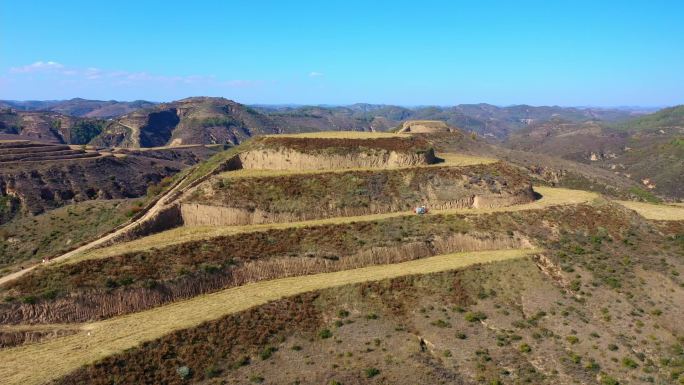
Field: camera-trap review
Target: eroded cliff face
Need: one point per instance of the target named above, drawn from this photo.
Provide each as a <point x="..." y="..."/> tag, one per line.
<point x="242" y="201"/>
<point x="291" y="159"/>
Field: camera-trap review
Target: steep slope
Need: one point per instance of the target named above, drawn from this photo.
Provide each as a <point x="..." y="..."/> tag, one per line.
<point x="35" y="177"/>
<point x="198" y="120"/>
<point x="50" y="127"/>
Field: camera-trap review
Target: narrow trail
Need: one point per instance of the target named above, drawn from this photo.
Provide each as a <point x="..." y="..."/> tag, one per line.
<point x="160" y="204"/>
<point x="45" y="361"/>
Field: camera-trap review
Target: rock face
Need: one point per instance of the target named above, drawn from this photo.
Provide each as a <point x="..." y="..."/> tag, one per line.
<point x="301" y="153"/>
<point x="241" y="201"/>
<point x="288" y="159"/>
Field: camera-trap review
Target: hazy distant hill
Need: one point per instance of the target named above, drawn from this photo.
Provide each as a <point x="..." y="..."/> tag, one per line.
<point x="187" y="121"/>
<point x="485" y="119"/>
<point x="648" y="149"/>
<point x="80" y="107"/>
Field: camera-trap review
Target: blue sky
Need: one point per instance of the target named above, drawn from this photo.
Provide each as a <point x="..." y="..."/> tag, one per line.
<point x="601" y="53"/>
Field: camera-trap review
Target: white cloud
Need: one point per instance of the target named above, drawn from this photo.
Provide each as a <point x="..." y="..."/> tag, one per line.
<point x="97" y="76"/>
<point x="315" y="74"/>
<point x="39" y="66"/>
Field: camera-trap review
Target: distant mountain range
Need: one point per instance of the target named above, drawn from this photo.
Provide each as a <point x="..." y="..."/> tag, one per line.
<point x="647" y="148"/>
<point x="79" y="107"/>
<point x="218" y="120"/>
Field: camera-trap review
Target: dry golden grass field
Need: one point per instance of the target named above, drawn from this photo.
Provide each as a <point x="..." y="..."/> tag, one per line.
<point x="658" y="212"/>
<point x="341" y="135"/>
<point x="42" y="362"/>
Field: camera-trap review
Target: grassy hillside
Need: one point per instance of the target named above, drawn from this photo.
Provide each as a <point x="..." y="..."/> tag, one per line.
<point x="25" y="240"/>
<point x="646" y="149"/>
<point x="665" y="118"/>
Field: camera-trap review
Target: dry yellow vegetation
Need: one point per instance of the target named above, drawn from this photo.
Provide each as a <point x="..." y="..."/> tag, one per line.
<point x="341" y="135"/>
<point x="42" y="362"/>
<point x="550" y="197"/>
<point x="658" y="212"/>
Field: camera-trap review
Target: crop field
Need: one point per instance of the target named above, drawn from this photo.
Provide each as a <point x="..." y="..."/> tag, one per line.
<point x="42" y="362"/>
<point x="550" y="197"/>
<point x="658" y="212"/>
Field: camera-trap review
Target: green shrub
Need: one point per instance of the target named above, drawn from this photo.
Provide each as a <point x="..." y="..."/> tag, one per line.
<point x="371" y="372"/>
<point x="629" y="363"/>
<point x="267" y="352"/>
<point x="325" y="333"/>
<point x="440" y="323"/>
<point x="525" y="348"/>
<point x="608" y="380"/>
<point x="475" y="316"/>
<point x="572" y="339"/>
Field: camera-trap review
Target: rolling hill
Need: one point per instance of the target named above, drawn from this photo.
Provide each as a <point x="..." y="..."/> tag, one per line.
<point x="647" y="149"/>
<point x="199" y="120"/>
<point x="80" y="107"/>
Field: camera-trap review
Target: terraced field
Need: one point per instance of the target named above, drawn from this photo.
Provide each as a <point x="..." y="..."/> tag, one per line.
<point x="190" y="276"/>
<point x="101" y="339"/>
<point x="27" y="151"/>
<point x="549" y="197"/>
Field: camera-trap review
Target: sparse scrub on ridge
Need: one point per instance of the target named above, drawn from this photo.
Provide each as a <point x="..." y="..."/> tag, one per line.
<point x="122" y="333"/>
<point x="107" y="302"/>
<point x="58" y="230"/>
<point x="424" y="225"/>
<point x="551" y="197"/>
<point x="297" y="197"/>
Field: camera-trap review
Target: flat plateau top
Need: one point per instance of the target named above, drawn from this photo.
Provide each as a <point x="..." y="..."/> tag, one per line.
<point x="341" y="135"/>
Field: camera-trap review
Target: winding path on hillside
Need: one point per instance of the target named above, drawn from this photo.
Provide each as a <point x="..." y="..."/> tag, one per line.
<point x="42" y="362"/>
<point x="157" y="207"/>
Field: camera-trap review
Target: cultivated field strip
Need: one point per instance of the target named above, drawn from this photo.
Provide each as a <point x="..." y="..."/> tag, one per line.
<point x="656" y="212"/>
<point x="550" y="197"/>
<point x="42" y="362"/>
